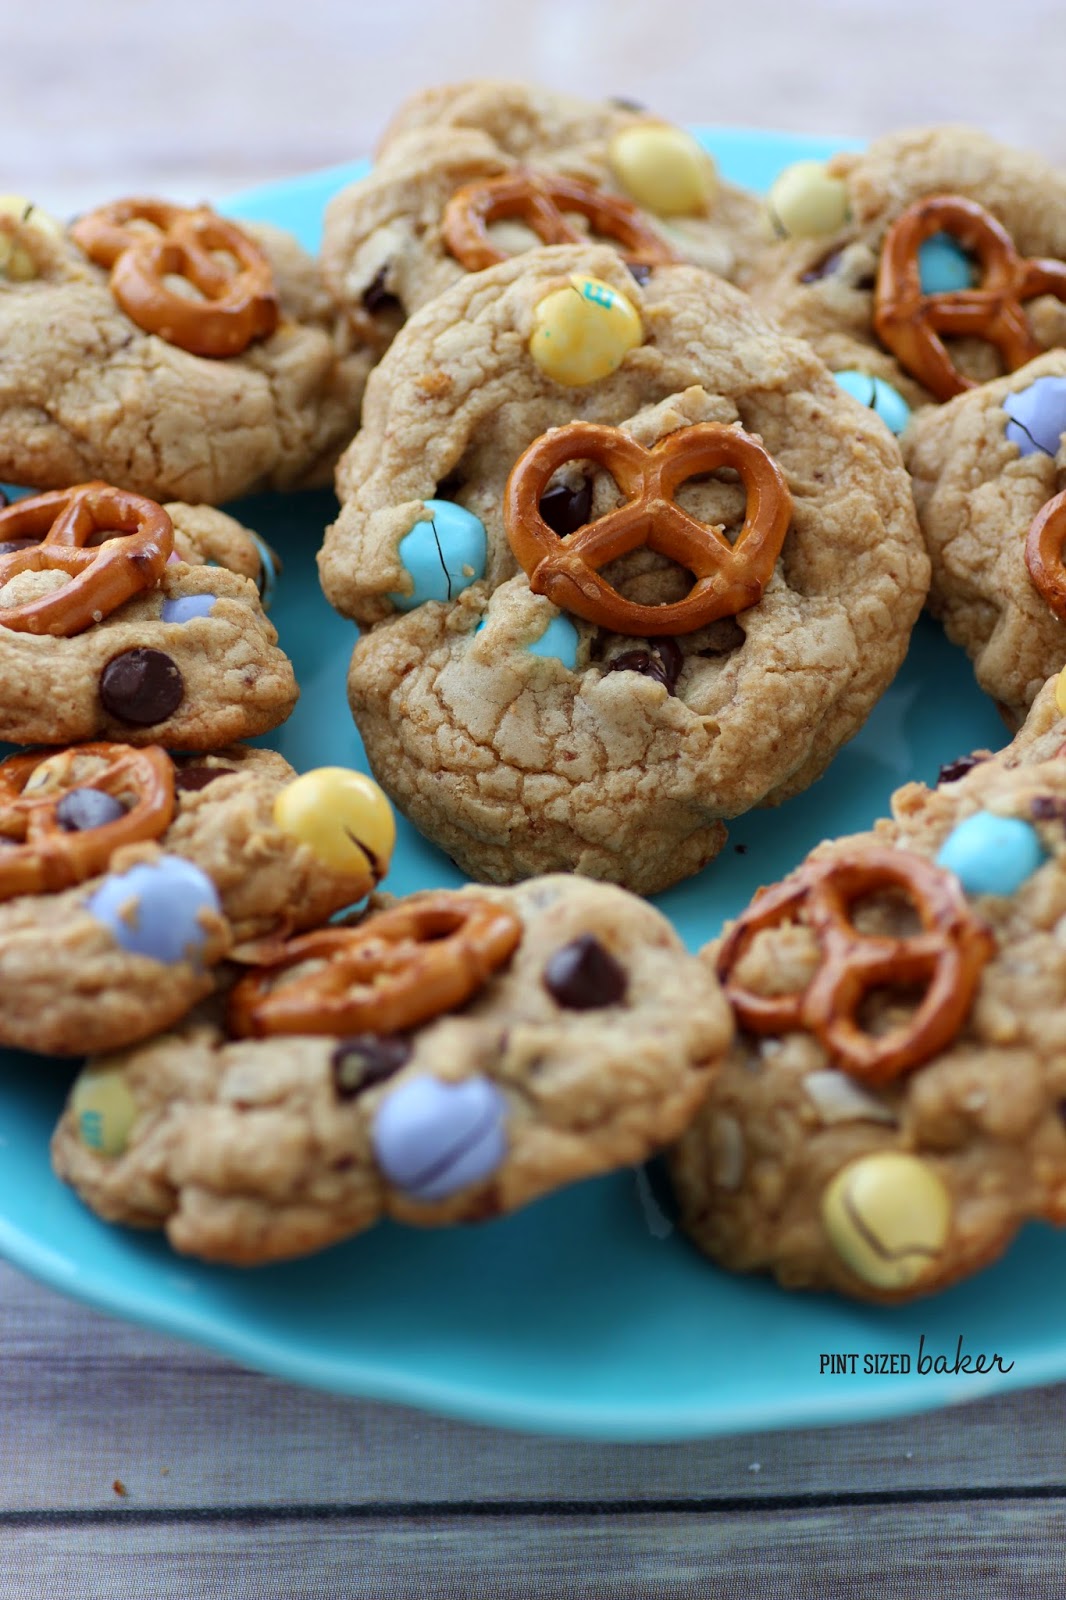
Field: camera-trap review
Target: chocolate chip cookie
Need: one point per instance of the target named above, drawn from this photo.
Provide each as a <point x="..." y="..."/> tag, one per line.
<point x="517" y="731"/>
<point x="916" y="263"/>
<point x="130" y="620"/>
<point x="447" y="1060"/>
<point x="891" y="1111"/>
<point x="126" y="876"/>
<point x="101" y="378"/>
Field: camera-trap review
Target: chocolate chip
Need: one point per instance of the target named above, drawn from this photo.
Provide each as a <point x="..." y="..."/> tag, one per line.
<point x="448" y="487"/>
<point x="640" y="271"/>
<point x="583" y="975"/>
<point x="193" y="778"/>
<point x="565" y="508"/>
<point x="376" y="297"/>
<point x="662" y="662"/>
<point x="366" y="1059"/>
<point x="141" y="686"/>
<point x="1049" y="808"/>
<point x="952" y="771"/>
<point x="9" y="546"/>
<point x="81" y="809"/>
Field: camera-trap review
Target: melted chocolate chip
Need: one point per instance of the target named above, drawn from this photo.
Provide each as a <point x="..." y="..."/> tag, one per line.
<point x="662" y="662"/>
<point x="82" y="809"/>
<point x="141" y="686"/>
<point x="448" y="487"/>
<point x="566" y="509"/>
<point x="640" y="271"/>
<point x="366" y="1059"/>
<point x="193" y="778"/>
<point x="9" y="546"/>
<point x="952" y="771"/>
<point x="376" y="297"/>
<point x="583" y="976"/>
<point x="1049" y="808"/>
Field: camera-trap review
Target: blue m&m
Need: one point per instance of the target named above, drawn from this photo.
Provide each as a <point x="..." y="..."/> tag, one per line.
<point x="432" y="1138"/>
<point x="156" y="909"/>
<point x="560" y="640"/>
<point x="877" y="396"/>
<point x="1037" y="416"/>
<point x="443" y="555"/>
<point x="944" y="266"/>
<point x="990" y="854"/>
<point x="188" y="606"/>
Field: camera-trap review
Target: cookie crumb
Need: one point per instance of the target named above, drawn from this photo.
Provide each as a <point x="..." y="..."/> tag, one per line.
<point x="120" y="1488"/>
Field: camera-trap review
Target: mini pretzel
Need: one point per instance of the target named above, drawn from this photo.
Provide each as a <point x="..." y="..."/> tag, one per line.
<point x="539" y="200"/>
<point x="910" y="323"/>
<point x="104" y="576"/>
<point x="947" y="956"/>
<point x="406" y="965"/>
<point x="236" y="307"/>
<point x="1043" y="554"/>
<point x="47" y="858"/>
<point x="729" y="578"/>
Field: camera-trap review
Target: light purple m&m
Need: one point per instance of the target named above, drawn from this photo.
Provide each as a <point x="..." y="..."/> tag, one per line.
<point x="155" y="909"/>
<point x="432" y="1139"/>
<point x="1037" y="416"/>
<point x="188" y="606"/>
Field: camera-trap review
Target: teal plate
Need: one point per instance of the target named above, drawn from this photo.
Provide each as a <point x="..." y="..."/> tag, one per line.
<point x="586" y="1314"/>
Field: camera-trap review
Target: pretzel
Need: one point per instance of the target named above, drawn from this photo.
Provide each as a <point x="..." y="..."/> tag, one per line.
<point x="104" y="576"/>
<point x="947" y="956"/>
<point x="406" y="965"/>
<point x="539" y="200"/>
<point x="910" y="323"/>
<point x="1043" y="553"/>
<point x="46" y="857"/>
<point x="729" y="578"/>
<point x="236" y="306"/>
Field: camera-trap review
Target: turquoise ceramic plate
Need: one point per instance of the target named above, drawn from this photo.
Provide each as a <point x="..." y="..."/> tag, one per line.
<point x="586" y="1314"/>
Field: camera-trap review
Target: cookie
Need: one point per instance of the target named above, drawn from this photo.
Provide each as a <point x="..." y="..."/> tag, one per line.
<point x="515" y="173"/>
<point x="892" y="1109"/>
<point x="523" y="737"/>
<point x="873" y="236"/>
<point x="986" y="469"/>
<point x="537" y="1036"/>
<point x="113" y="624"/>
<point x="243" y="380"/>
<point x="126" y="876"/>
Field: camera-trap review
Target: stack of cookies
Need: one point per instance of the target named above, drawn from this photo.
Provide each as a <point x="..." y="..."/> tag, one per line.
<point x="643" y="483"/>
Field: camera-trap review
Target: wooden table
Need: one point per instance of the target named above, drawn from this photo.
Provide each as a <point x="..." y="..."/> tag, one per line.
<point x="136" y="1468"/>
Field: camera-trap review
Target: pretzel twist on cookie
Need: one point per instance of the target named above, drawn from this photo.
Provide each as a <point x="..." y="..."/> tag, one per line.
<point x="1044" y="551"/>
<point x="946" y="958"/>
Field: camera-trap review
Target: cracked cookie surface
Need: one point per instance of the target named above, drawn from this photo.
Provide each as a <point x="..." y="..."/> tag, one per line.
<point x="797" y="1167"/>
<point x="517" y="761"/>
<point x="258" y="1149"/>
<point x="85" y="393"/>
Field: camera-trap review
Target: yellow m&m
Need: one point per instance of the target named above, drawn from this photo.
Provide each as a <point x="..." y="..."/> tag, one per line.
<point x="584" y="332"/>
<point x="887" y="1216"/>
<point x="104" y="1110"/>
<point x="805" y="202"/>
<point x="343" y="817"/>
<point x="16" y="263"/>
<point x="664" y="169"/>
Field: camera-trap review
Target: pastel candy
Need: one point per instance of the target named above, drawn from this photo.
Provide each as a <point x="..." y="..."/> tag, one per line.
<point x="944" y="266"/>
<point x="664" y="169"/>
<point x="806" y="202"/>
<point x="155" y="908"/>
<point x="187" y="607"/>
<point x="584" y="332"/>
<point x="443" y="555"/>
<point x="990" y="854"/>
<point x="105" y="1110"/>
<point x="342" y="817"/>
<point x="559" y="639"/>
<point x="878" y="396"/>
<point x="269" y="569"/>
<point x="432" y="1139"/>
<point x="887" y="1216"/>
<point x="1037" y="416"/>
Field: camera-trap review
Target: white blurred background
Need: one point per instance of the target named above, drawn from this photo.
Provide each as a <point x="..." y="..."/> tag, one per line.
<point x="198" y="98"/>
